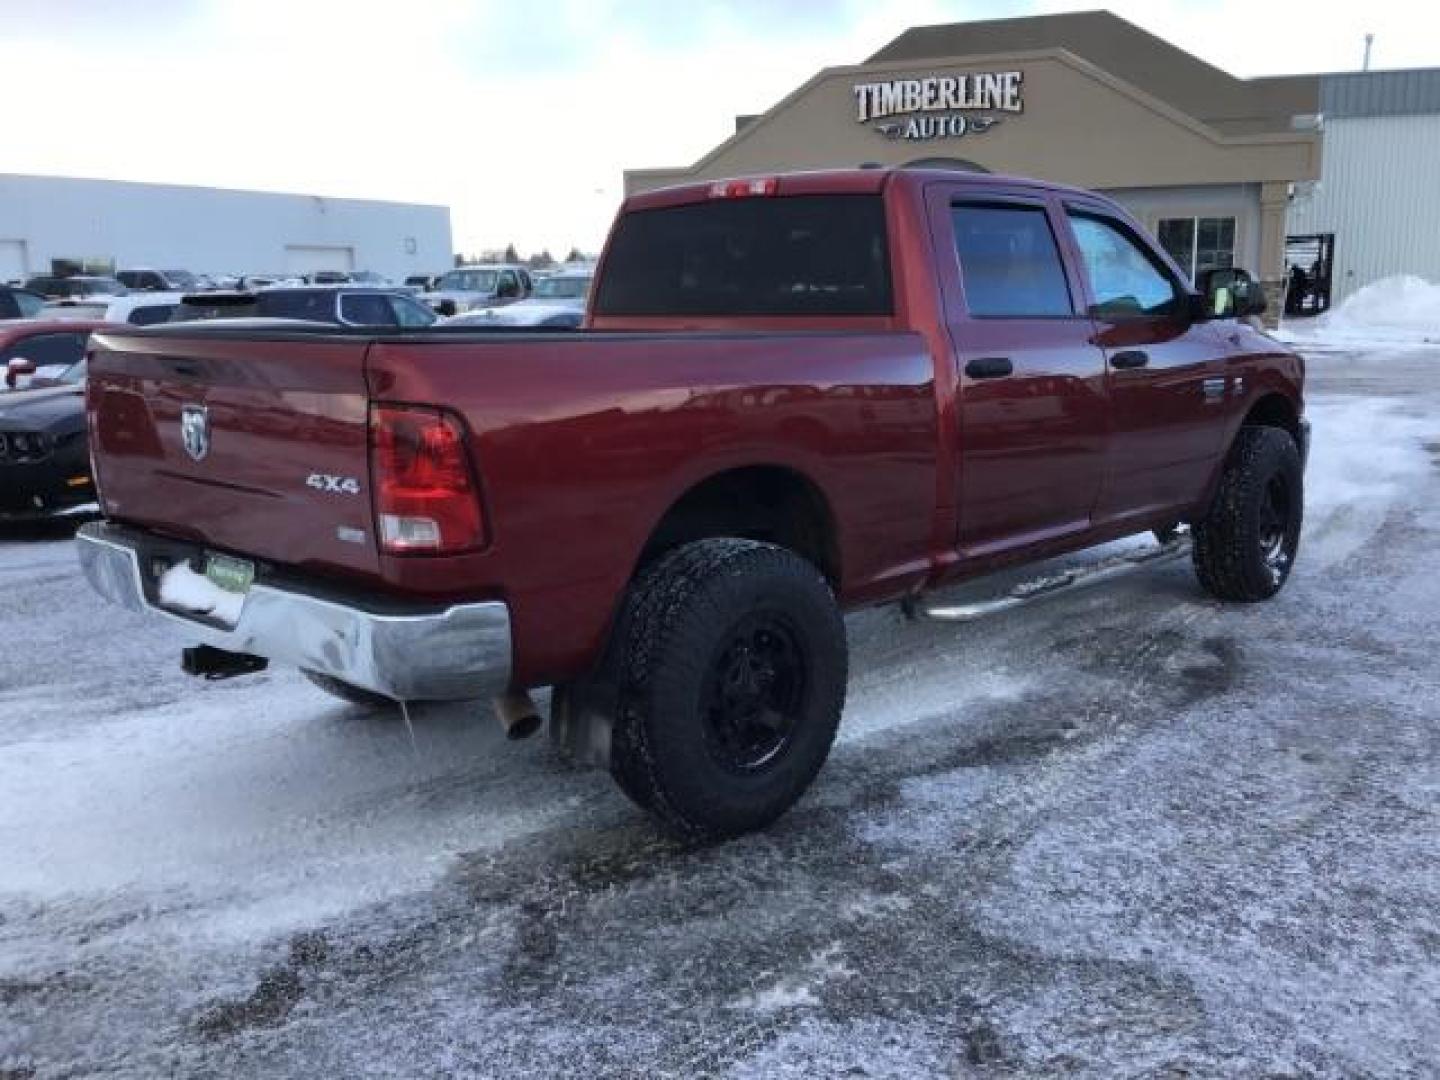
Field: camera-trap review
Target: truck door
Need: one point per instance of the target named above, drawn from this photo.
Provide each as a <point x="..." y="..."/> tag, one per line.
<point x="1032" y="420"/>
<point x="1166" y="384"/>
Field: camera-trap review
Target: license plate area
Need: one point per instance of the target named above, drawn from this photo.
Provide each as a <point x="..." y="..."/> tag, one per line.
<point x="229" y="573"/>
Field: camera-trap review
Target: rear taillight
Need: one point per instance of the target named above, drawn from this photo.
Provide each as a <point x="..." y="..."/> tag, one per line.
<point x="426" y="498"/>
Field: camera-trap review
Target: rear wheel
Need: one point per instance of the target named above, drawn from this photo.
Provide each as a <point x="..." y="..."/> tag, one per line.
<point x="354" y="695"/>
<point x="729" y="665"/>
<point x="1245" y="547"/>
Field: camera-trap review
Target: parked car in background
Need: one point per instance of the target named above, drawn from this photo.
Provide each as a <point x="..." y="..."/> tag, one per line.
<point x="422" y="282"/>
<point x="251" y="282"/>
<point x="144" y="280"/>
<point x="44" y="455"/>
<point x="54" y="287"/>
<point x="558" y="302"/>
<point x="33" y="349"/>
<point x="468" y="288"/>
<point x="328" y="277"/>
<point x="342" y="305"/>
<point x="136" y="309"/>
<point x="19" y="303"/>
<point x="370" y="277"/>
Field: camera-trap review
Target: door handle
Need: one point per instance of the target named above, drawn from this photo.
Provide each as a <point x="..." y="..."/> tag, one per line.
<point x="989" y="367"/>
<point x="1129" y="358"/>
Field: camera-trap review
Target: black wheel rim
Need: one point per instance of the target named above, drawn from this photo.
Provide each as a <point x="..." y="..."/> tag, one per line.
<point x="1275" y="514"/>
<point x="754" y="693"/>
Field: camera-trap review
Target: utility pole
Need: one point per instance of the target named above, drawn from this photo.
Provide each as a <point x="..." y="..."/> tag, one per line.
<point x="1369" y="40"/>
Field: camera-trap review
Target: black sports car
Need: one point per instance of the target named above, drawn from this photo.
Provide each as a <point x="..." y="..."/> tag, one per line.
<point x="44" y="459"/>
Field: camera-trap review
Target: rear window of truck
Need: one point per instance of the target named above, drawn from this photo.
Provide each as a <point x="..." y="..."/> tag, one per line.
<point x="795" y="255"/>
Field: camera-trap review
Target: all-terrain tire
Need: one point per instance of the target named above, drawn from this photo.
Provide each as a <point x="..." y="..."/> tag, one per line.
<point x="1246" y="545"/>
<point x="354" y="695"/>
<point x="729" y="667"/>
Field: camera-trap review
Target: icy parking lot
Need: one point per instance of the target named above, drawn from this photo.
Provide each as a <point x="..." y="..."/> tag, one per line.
<point x="1128" y="831"/>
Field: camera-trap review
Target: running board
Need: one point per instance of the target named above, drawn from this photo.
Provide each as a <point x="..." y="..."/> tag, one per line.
<point x="1106" y="569"/>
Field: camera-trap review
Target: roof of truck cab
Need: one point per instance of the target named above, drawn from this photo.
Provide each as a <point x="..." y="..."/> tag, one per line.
<point x="863" y="181"/>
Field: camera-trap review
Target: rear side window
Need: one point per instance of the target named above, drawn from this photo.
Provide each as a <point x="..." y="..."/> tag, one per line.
<point x="30" y="305"/>
<point x="798" y="255"/>
<point x="316" y="305"/>
<point x="1010" y="263"/>
<point x="151" y="314"/>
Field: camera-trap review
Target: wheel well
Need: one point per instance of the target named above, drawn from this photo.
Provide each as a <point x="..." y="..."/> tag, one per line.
<point x="1274" y="410"/>
<point x="769" y="503"/>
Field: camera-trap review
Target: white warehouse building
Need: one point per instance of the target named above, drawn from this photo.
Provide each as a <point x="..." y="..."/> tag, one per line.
<point x="1378" y="196"/>
<point x="47" y="222"/>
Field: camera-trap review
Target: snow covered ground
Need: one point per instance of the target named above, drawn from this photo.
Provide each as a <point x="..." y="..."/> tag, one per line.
<point x="1128" y="831"/>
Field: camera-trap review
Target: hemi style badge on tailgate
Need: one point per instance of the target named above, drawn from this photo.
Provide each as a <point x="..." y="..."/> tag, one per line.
<point x="195" y="431"/>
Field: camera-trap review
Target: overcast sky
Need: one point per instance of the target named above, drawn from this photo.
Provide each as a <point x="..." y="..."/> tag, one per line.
<point x="520" y="116"/>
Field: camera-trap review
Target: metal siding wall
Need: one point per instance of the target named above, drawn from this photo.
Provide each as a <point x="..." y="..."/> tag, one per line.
<point x="209" y="230"/>
<point x="1378" y="195"/>
<point x="1380" y="93"/>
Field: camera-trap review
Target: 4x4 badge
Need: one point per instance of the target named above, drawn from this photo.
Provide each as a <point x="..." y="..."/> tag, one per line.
<point x="195" y="431"/>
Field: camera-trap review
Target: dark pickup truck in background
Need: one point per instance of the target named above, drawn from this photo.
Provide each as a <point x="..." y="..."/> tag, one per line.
<point x="793" y="395"/>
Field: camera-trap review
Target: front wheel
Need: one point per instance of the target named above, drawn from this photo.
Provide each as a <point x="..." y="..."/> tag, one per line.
<point x="730" y="665"/>
<point x="1246" y="545"/>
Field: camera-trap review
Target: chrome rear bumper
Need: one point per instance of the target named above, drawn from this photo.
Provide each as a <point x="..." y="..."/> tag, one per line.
<point x="462" y="651"/>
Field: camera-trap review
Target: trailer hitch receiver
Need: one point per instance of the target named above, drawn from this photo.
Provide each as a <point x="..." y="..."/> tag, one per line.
<point x="211" y="663"/>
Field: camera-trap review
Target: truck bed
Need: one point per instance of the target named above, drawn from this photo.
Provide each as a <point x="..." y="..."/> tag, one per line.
<point x="580" y="443"/>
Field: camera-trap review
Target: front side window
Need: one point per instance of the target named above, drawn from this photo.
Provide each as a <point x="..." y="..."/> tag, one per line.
<point x="562" y="288"/>
<point x="1009" y="263"/>
<point x="794" y="255"/>
<point x="409" y="313"/>
<point x="1125" y="280"/>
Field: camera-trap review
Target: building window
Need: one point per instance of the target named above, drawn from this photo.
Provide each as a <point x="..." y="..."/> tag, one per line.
<point x="1199" y="243"/>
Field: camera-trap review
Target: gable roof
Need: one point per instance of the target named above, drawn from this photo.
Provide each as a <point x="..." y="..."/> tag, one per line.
<point x="1230" y="105"/>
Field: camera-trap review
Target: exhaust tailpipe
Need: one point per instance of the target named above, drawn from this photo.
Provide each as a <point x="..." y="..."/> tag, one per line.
<point x="517" y="714"/>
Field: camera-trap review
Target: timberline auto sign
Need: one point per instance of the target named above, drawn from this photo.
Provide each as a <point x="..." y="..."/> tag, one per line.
<point x="938" y="106"/>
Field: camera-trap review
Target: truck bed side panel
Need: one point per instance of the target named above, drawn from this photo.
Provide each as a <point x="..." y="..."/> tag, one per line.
<point x="583" y="442"/>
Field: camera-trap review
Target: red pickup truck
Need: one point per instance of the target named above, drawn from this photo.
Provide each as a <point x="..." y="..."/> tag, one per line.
<point x="792" y="395"/>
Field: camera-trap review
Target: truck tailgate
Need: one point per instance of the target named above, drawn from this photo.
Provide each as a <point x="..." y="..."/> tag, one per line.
<point x="274" y="464"/>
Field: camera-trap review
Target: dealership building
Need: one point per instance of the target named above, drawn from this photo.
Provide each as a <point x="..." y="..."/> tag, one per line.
<point x="51" y="223"/>
<point x="1333" y="174"/>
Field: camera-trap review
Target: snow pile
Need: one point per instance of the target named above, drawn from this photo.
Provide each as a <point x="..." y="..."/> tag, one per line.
<point x="1403" y="310"/>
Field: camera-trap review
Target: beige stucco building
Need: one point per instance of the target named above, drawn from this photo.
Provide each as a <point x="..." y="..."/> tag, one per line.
<point x="1206" y="161"/>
